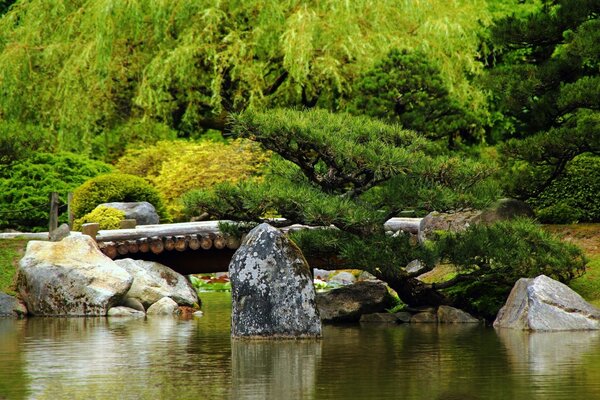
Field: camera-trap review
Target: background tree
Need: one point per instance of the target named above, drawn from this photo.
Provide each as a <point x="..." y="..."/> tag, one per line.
<point x="546" y="82"/>
<point x="407" y="87"/>
<point x="85" y="69"/>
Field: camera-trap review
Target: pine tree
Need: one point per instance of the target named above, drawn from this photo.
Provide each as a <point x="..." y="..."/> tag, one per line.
<point x="547" y="84"/>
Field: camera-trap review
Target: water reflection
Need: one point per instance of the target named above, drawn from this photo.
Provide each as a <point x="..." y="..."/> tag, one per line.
<point x="283" y="369"/>
<point x="554" y="364"/>
<point x="14" y="382"/>
<point x="545" y="353"/>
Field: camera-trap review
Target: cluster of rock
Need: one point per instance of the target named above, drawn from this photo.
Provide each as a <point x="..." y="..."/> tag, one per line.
<point x="73" y="278"/>
<point x="368" y="302"/>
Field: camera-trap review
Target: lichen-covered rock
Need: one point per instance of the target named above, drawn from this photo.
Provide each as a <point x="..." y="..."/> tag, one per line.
<point x="164" y="306"/>
<point x="70" y="278"/>
<point x="543" y="304"/>
<point x="143" y="212"/>
<point x="271" y="288"/>
<point x="153" y="281"/>
<point x="451" y="315"/>
<point x="348" y="303"/>
<point x="11" y="307"/>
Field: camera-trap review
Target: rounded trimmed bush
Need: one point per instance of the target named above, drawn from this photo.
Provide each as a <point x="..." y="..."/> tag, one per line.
<point x="116" y="187"/>
<point x="107" y="217"/>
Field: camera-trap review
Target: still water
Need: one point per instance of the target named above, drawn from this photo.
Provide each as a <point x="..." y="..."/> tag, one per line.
<point x="164" y="358"/>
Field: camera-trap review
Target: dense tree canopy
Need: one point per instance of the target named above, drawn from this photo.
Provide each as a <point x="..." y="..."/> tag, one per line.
<point x="547" y="85"/>
<point x="82" y="68"/>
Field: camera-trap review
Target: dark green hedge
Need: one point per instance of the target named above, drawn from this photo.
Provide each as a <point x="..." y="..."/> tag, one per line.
<point x="575" y="197"/>
<point x="26" y="185"/>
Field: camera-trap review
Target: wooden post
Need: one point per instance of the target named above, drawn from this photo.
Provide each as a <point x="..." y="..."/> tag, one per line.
<point x="180" y="243"/>
<point x="194" y="242"/>
<point x="169" y="243"/>
<point x="53" y="224"/>
<point x="132" y="246"/>
<point x="110" y="249"/>
<point x="206" y="242"/>
<point x="143" y="245"/>
<point x="219" y="242"/>
<point x="122" y="248"/>
<point x="156" y="245"/>
<point x="232" y="242"/>
<point x="70" y="209"/>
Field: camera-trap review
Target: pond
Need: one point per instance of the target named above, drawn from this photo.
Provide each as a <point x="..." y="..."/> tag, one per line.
<point x="165" y="358"/>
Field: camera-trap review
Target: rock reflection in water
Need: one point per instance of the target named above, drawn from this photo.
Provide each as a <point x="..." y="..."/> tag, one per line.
<point x="274" y="369"/>
<point x="548" y="353"/>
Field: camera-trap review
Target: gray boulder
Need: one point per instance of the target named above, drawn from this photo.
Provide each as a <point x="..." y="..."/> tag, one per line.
<point x="164" y="306"/>
<point x="272" y="292"/>
<point x="143" y="212"/>
<point x="11" y="307"/>
<point x="153" y="281"/>
<point x="348" y="303"/>
<point x="451" y="315"/>
<point x="543" y="304"/>
<point x="70" y="278"/>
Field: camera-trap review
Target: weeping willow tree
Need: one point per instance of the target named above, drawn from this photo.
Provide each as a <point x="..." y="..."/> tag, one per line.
<point x="89" y="71"/>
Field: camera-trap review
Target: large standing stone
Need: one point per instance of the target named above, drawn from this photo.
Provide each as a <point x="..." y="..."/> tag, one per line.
<point x="153" y="281"/>
<point x="11" y="306"/>
<point x="543" y="304"/>
<point x="143" y="212"/>
<point x="271" y="288"/>
<point x="348" y="303"/>
<point x="70" y="278"/>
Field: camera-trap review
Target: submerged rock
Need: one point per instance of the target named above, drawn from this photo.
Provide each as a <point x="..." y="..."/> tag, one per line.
<point x="11" y="306"/>
<point x="379" y="318"/>
<point x="153" y="281"/>
<point x="121" y="311"/>
<point x="70" y="278"/>
<point x="271" y="288"/>
<point x="543" y="304"/>
<point x="348" y="303"/>
<point x="164" y="306"/>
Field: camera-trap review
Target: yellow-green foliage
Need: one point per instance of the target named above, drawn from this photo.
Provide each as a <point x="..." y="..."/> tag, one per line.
<point x="116" y="187"/>
<point x="175" y="167"/>
<point x="107" y="217"/>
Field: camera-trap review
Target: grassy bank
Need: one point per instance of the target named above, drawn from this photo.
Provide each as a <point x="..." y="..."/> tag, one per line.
<point x="11" y="251"/>
<point x="586" y="236"/>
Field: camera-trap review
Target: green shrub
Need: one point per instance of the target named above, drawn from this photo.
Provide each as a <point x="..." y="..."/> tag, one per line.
<point x="107" y="217"/>
<point x="559" y="213"/>
<point x="178" y="166"/>
<point x="491" y="258"/>
<point x="26" y="185"/>
<point x="116" y="187"/>
<point x="574" y="196"/>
